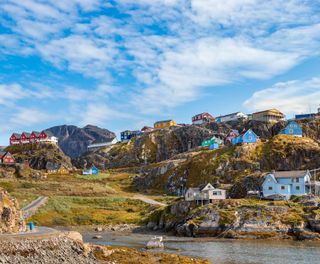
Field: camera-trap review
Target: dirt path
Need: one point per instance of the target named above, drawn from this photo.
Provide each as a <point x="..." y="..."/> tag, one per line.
<point x="32" y="208"/>
<point x="38" y="233"/>
<point x="148" y="200"/>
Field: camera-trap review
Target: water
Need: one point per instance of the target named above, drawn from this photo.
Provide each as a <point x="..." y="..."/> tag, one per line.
<point x="222" y="251"/>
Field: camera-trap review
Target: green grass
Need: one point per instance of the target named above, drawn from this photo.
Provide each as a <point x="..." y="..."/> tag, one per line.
<point x="74" y="211"/>
<point x="100" y="176"/>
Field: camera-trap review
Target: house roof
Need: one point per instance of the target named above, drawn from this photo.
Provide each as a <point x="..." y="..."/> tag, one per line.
<point x="2" y="153"/>
<point x="48" y="133"/>
<point x="235" y="113"/>
<point x="17" y="135"/>
<point x="26" y="134"/>
<point x="289" y="174"/>
<point x="36" y="133"/>
<point x="269" y="111"/>
<point x="164" y="121"/>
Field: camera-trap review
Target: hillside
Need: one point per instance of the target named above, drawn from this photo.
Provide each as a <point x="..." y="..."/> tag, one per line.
<point x="230" y="164"/>
<point x="10" y="219"/>
<point x="74" y="140"/>
<point x="161" y="145"/>
<point x="38" y="155"/>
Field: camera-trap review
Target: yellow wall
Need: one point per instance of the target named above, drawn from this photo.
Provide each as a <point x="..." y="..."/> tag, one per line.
<point x="165" y="124"/>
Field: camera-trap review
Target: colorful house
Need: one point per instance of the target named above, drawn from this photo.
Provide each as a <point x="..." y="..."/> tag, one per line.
<point x="202" y="118"/>
<point x="15" y="139"/>
<point x="233" y="133"/>
<point x="292" y="129"/>
<point x="286" y="183"/>
<point x="165" y="123"/>
<point x="35" y="136"/>
<point x="6" y="158"/>
<point x="25" y="138"/>
<point x="147" y="129"/>
<point x="47" y="136"/>
<point x="214" y="142"/>
<point x="248" y="137"/>
<point x="128" y="134"/>
<point x="92" y="171"/>
<point x="268" y="116"/>
<point x="231" y="117"/>
<point x="305" y="116"/>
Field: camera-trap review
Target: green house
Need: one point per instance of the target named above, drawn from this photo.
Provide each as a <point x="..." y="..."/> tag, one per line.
<point x="211" y="141"/>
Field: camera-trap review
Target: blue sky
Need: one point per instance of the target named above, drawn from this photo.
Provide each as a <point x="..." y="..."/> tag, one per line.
<point x="125" y="64"/>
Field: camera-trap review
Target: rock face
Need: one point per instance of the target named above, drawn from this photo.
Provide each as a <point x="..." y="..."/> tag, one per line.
<point x="60" y="249"/>
<point x="229" y="165"/>
<point x="10" y="217"/>
<point x="241" y="219"/>
<point x="148" y="148"/>
<point x="39" y="154"/>
<point x="74" y="140"/>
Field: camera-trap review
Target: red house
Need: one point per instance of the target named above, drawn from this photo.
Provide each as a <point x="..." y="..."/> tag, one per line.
<point x="15" y="139"/>
<point x="35" y="136"/>
<point x="202" y="118"/>
<point x="6" y="158"/>
<point x="25" y="138"/>
<point x="46" y="136"/>
<point x="146" y="129"/>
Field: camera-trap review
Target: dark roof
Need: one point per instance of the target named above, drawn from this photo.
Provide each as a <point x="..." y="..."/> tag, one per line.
<point x="36" y="133"/>
<point x="17" y="135"/>
<point x="2" y="153"/>
<point x="48" y="133"/>
<point x="289" y="174"/>
<point x="27" y="134"/>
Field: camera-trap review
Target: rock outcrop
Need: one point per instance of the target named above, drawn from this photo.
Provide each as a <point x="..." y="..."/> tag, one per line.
<point x="74" y="140"/>
<point x="241" y="219"/>
<point x="229" y="165"/>
<point x="39" y="154"/>
<point x="10" y="216"/>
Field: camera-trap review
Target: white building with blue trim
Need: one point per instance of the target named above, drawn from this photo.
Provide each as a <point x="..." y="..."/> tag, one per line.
<point x="286" y="184"/>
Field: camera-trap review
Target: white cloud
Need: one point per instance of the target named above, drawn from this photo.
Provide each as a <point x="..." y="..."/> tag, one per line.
<point x="290" y="97"/>
<point x="10" y="93"/>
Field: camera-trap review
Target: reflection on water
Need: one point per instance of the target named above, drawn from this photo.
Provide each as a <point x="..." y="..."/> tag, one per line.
<point x="225" y="251"/>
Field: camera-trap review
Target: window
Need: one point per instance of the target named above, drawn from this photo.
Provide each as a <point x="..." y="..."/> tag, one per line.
<point x="283" y="187"/>
<point x="295" y="180"/>
<point x="216" y="193"/>
<point x="270" y="188"/>
<point x="298" y="188"/>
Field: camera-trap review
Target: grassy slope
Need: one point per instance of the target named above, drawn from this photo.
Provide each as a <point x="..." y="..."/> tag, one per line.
<point x="79" y="200"/>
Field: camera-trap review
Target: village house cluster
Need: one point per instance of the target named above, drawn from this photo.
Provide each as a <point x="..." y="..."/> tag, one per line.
<point x="267" y="116"/>
<point x="34" y="137"/>
<point x="277" y="185"/>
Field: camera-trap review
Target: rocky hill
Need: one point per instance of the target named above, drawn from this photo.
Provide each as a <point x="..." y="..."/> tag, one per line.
<point x="38" y="155"/>
<point x="298" y="219"/>
<point x="10" y="217"/>
<point x="74" y="140"/>
<point x="230" y="164"/>
<point x="161" y="145"/>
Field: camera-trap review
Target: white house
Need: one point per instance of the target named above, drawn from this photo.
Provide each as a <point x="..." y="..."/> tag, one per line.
<point x="205" y="194"/>
<point x="286" y="183"/>
<point x="102" y="144"/>
<point x="231" y="117"/>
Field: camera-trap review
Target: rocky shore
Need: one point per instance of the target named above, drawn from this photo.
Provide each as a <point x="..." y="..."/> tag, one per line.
<point x="299" y="219"/>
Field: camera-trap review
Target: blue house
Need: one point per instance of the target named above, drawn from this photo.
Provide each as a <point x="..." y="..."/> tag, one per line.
<point x="92" y="171"/>
<point x="248" y="137"/>
<point x="128" y="134"/>
<point x="286" y="184"/>
<point x="292" y="129"/>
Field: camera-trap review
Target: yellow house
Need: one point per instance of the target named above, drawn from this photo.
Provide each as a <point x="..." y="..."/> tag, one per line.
<point x="270" y="115"/>
<point x="165" y="123"/>
<point x="63" y="170"/>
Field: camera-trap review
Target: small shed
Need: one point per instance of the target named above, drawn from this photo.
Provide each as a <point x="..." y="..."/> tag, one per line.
<point x="248" y="137"/>
<point x="92" y="171"/>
